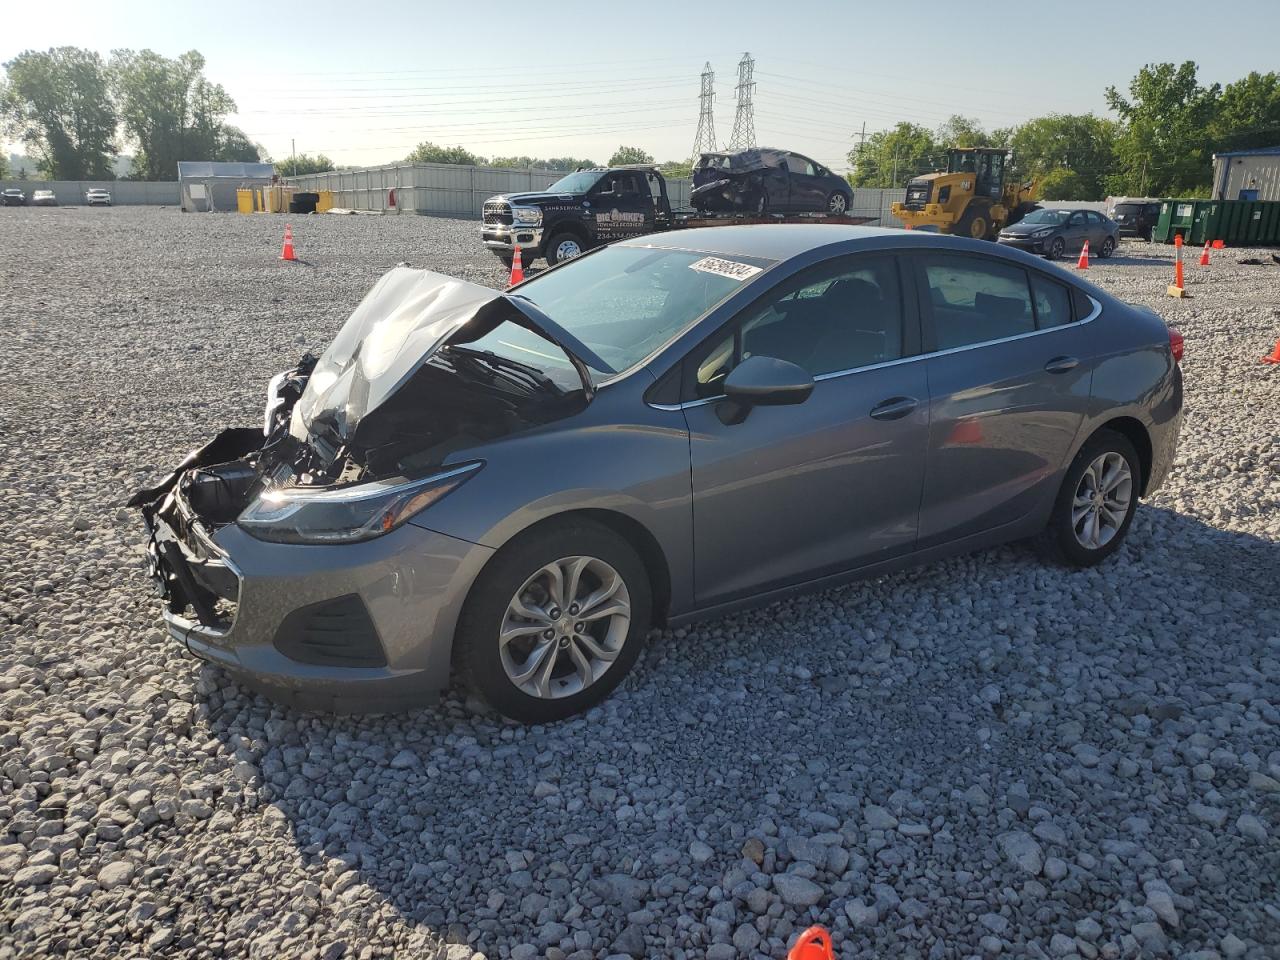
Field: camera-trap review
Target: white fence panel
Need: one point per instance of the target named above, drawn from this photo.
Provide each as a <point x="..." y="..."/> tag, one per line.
<point x="69" y="193"/>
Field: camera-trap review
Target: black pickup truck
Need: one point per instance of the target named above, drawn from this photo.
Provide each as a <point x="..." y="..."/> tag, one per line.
<point x="587" y="208"/>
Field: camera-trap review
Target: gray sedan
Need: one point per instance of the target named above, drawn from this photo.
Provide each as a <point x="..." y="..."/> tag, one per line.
<point x="1056" y="233"/>
<point x="518" y="486"/>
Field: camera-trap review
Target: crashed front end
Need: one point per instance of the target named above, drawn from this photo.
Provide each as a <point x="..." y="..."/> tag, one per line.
<point x="297" y="554"/>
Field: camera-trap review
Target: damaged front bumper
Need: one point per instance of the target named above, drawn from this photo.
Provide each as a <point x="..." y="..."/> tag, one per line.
<point x="354" y="627"/>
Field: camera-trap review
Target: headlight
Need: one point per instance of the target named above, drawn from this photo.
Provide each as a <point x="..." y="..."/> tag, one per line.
<point x="1042" y="233"/>
<point x="359" y="512"/>
<point x="527" y="214"/>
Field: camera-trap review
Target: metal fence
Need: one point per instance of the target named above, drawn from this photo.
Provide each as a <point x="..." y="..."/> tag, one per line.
<point x="123" y="192"/>
<point x="453" y="190"/>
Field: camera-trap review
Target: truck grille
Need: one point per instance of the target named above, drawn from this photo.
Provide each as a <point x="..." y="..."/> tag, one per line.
<point x="497" y="211"/>
<point x="917" y="195"/>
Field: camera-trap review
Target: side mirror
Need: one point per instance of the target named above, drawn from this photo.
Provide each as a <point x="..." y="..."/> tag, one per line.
<point x="762" y="382"/>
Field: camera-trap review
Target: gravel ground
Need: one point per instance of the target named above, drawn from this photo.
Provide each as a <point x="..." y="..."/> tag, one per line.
<point x="982" y="757"/>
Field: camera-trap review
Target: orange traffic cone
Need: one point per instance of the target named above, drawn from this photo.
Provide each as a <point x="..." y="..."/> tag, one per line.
<point x="1176" y="289"/>
<point x="814" y="944"/>
<point x="1274" y="357"/>
<point x="1204" y="257"/>
<point x="517" y="269"/>
<point x="1083" y="262"/>
<point x="287" y="252"/>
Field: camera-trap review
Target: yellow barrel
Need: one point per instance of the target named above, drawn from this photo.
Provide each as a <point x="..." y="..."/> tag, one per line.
<point x="244" y="201"/>
<point x="325" y="203"/>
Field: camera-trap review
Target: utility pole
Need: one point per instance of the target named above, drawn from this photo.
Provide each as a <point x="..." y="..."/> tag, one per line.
<point x="862" y="142"/>
<point x="705" y="139"/>
<point x="1142" y="182"/>
<point x="894" y="185"/>
<point x="744" y="124"/>
<point x="293" y="156"/>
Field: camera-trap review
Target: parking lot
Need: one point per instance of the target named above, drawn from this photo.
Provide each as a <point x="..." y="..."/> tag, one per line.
<point x="985" y="756"/>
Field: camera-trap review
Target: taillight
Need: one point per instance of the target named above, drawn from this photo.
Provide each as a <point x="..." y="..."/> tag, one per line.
<point x="1175" y="344"/>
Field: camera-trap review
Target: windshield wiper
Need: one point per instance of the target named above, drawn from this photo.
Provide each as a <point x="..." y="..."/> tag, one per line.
<point x="521" y="374"/>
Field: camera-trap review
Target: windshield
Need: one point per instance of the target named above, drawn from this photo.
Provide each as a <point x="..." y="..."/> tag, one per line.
<point x="1047" y="216"/>
<point x="579" y="182"/>
<point x="622" y="302"/>
<point x="1129" y="207"/>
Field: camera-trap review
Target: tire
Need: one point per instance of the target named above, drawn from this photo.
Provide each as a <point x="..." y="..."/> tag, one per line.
<point x="1061" y="540"/>
<point x="1107" y="249"/>
<point x="1057" y="247"/>
<point x="974" y="225"/>
<point x="558" y="247"/>
<point x="762" y="204"/>
<point x="838" y="199"/>
<point x="516" y="578"/>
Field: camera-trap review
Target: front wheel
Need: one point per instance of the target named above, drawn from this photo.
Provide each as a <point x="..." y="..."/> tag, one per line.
<point x="555" y="621"/>
<point x="1095" y="505"/>
<point x="1057" y="247"/>
<point x="561" y="247"/>
<point x="837" y="204"/>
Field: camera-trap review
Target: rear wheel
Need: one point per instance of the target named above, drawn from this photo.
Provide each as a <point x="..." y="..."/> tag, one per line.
<point x="555" y="621"/>
<point x="1095" y="505"/>
<point x="563" y="246"/>
<point x="1108" y="247"/>
<point x="837" y="204"/>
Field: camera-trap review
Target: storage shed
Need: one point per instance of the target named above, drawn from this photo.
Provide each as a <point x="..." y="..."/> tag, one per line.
<point x="206" y="185"/>
<point x="1247" y="175"/>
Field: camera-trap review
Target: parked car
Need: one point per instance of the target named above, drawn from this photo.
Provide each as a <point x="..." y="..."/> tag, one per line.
<point x="13" y="197"/>
<point x="1056" y="232"/>
<point x="44" y="198"/>
<point x="765" y="180"/>
<point x="97" y="197"/>
<point x="1136" y="218"/>
<point x="505" y="482"/>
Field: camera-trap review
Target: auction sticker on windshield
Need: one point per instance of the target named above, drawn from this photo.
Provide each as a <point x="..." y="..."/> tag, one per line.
<point x="725" y="268"/>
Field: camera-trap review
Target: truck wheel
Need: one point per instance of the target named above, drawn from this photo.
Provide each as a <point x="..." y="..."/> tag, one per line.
<point x="975" y="226"/>
<point x="563" y="246"/>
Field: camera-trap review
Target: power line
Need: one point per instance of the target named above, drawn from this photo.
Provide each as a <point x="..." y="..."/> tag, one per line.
<point x="704" y="141"/>
<point x="744" y="125"/>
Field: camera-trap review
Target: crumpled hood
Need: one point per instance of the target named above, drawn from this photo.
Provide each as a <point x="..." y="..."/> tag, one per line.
<point x="407" y="316"/>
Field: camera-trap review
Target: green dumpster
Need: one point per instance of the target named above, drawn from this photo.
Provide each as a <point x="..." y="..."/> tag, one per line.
<point x="1176" y="217"/>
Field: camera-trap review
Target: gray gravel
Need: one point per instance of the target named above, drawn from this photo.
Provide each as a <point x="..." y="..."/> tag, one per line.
<point x="984" y="756"/>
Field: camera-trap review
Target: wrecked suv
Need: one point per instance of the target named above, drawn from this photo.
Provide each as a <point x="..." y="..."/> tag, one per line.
<point x="517" y="485"/>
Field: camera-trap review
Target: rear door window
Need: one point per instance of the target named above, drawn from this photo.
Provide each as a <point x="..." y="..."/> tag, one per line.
<point x="1053" y="302"/>
<point x="976" y="300"/>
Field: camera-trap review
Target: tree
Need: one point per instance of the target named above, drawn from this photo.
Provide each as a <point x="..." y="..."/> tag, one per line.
<point x="172" y="112"/>
<point x="1248" y="114"/>
<point x="963" y="132"/>
<point x="303" y="164"/>
<point x="1081" y="144"/>
<point x="428" y="152"/>
<point x="676" y="168"/>
<point x="234" y="146"/>
<point x="569" y="163"/>
<point x="625" y="155"/>
<point x="4" y="167"/>
<point x="890" y="158"/>
<point x="1064" y="184"/>
<point x="1165" y="149"/>
<point x="59" y="105"/>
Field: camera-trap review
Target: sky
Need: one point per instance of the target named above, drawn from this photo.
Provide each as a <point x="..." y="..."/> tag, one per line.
<point x="364" y="82"/>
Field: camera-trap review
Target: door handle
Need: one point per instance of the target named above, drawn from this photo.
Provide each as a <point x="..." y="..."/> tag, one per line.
<point x="1062" y="364"/>
<point x="895" y="408"/>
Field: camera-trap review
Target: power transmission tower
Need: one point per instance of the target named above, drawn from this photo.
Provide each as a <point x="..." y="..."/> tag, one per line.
<point x="705" y="141"/>
<point x="744" y="121"/>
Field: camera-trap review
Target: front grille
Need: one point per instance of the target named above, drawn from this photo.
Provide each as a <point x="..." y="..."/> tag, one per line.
<point x="917" y="195"/>
<point x="497" y="211"/>
<point x="333" y="633"/>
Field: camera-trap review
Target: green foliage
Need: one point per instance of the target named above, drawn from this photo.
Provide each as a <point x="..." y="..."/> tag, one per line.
<point x="1080" y="144"/>
<point x="302" y="164"/>
<point x="1063" y="184"/>
<point x="537" y="163"/>
<point x="1248" y="114"/>
<point x="58" y="103"/>
<point x="1166" y="147"/>
<point x="964" y="132"/>
<point x="173" y="113"/>
<point x="674" y="169"/>
<point x="428" y="152"/>
<point x="890" y="158"/>
<point x="4" y="167"/>
<point x="624" y="155"/>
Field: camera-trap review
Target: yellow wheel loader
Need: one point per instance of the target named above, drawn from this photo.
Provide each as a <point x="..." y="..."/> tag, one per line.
<point x="971" y="199"/>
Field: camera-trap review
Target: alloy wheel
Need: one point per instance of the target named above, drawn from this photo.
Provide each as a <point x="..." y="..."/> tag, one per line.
<point x="1102" y="501"/>
<point x="567" y="250"/>
<point x="565" y="627"/>
<point x="837" y="204"/>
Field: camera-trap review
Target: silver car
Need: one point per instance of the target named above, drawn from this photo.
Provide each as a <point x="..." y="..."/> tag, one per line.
<point x="518" y="486"/>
